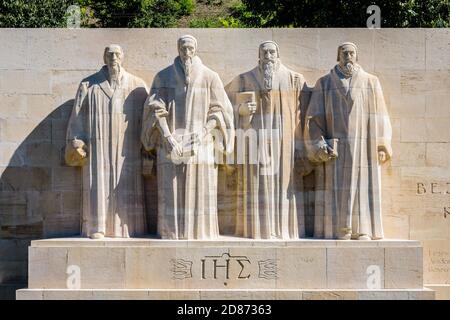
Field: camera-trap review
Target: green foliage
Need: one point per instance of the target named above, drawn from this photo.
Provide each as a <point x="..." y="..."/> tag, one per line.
<point x="94" y="13"/>
<point x="215" y="22"/>
<point x="224" y="13"/>
<point x="344" y="13"/>
<point x="138" y="13"/>
<point x="231" y="22"/>
<point x="248" y="17"/>
<point x="210" y="22"/>
<point x="33" y="13"/>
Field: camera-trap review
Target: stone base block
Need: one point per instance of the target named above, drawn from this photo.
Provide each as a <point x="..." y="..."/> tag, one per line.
<point x="229" y="294"/>
<point x="442" y="290"/>
<point x="229" y="263"/>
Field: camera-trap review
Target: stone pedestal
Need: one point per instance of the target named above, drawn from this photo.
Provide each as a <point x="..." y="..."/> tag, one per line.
<point x="230" y="268"/>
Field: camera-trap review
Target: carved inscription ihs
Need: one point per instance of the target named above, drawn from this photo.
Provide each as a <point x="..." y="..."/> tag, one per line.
<point x="225" y="267"/>
<point x="213" y="265"/>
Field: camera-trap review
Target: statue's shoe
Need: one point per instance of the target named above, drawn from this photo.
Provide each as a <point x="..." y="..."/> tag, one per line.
<point x="364" y="237"/>
<point x="347" y="236"/>
<point x="97" y="235"/>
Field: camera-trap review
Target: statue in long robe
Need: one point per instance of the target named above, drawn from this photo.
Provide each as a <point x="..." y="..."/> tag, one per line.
<point x="348" y="135"/>
<point x="103" y="136"/>
<point x="266" y="103"/>
<point x="187" y="102"/>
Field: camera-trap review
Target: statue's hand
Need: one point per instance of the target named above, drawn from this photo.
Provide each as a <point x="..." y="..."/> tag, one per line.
<point x="76" y="153"/>
<point x="173" y="146"/>
<point x="161" y="112"/>
<point x="80" y="148"/>
<point x="382" y="157"/>
<point x="322" y="154"/>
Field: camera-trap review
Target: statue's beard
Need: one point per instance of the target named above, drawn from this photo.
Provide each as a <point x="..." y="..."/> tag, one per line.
<point x="187" y="66"/>
<point x="114" y="72"/>
<point x="268" y="68"/>
<point x="348" y="69"/>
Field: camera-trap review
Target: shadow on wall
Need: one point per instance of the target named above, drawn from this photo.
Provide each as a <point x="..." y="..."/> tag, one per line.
<point x="40" y="197"/>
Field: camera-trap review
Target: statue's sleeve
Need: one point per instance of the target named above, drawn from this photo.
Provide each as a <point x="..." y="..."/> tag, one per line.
<point x="76" y="135"/>
<point x="232" y="89"/>
<point x="76" y="128"/>
<point x="383" y="123"/>
<point x="221" y="110"/>
<point x="315" y="123"/>
<point x="154" y="109"/>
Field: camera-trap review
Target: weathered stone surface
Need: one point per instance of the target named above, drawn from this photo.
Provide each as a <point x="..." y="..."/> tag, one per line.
<point x="144" y="294"/>
<point x="442" y="292"/>
<point x="226" y="264"/>
<point x="347" y="268"/>
<point x="436" y="262"/>
<point x="403" y="268"/>
<point x="25" y="82"/>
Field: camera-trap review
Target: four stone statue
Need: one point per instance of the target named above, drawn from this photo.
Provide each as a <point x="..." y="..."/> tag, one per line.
<point x="189" y="123"/>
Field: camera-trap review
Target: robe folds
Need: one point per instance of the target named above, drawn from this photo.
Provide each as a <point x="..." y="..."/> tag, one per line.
<point x="269" y="197"/>
<point x="348" y="188"/>
<point x="108" y="121"/>
<point x="187" y="189"/>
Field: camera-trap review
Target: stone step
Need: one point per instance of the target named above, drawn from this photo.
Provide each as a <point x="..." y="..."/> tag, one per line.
<point x="229" y="294"/>
<point x="229" y="263"/>
<point x="442" y="291"/>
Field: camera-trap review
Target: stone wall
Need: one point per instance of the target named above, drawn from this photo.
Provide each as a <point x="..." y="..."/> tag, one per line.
<point x="40" y="70"/>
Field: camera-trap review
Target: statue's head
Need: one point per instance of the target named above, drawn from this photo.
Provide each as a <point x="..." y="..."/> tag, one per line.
<point x="347" y="53"/>
<point x="269" y="61"/>
<point x="187" y="47"/>
<point x="113" y="56"/>
<point x="269" y="52"/>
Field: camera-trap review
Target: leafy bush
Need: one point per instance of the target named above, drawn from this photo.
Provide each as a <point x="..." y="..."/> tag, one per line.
<point x="205" y="23"/>
<point x="225" y="13"/>
<point x="33" y="13"/>
<point x="344" y="13"/>
<point x="95" y="13"/>
<point x="138" y="13"/>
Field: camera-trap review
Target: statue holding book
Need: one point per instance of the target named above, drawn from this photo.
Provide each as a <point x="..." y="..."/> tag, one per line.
<point x="187" y="104"/>
<point x="348" y="135"/>
<point x="266" y="104"/>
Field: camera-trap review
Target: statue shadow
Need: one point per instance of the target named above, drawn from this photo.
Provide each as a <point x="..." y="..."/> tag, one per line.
<point x="133" y="186"/>
<point x="308" y="179"/>
<point x="38" y="192"/>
